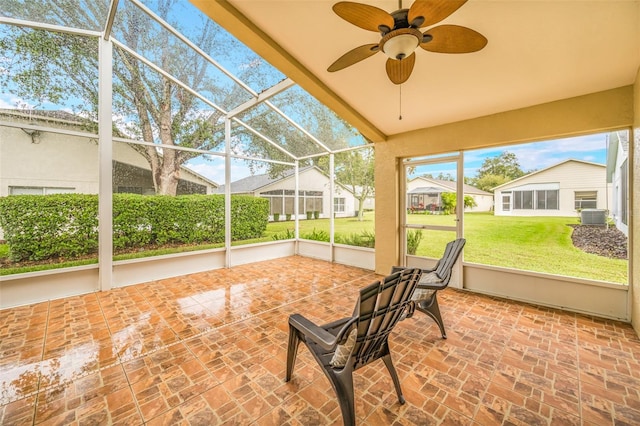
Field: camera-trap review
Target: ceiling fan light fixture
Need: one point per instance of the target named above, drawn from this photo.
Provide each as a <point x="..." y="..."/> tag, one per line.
<point x="399" y="44"/>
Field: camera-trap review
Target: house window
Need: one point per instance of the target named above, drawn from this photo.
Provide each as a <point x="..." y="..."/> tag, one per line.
<point x="311" y="201"/>
<point x="541" y="199"/>
<point x="586" y="200"/>
<point x="522" y="200"/>
<point x="38" y="190"/>
<point x="276" y="200"/>
<point x="506" y="201"/>
<point x="338" y="205"/>
<point x="547" y="199"/>
<point x="282" y="201"/>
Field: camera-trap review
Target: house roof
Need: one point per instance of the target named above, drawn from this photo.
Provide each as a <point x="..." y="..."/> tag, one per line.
<point x="548" y="168"/>
<point x="426" y="190"/>
<point x="51" y="117"/>
<point x="254" y="183"/>
<point x="451" y="185"/>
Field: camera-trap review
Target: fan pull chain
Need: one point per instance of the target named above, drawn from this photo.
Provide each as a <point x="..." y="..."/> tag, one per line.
<point x="400" y="114"/>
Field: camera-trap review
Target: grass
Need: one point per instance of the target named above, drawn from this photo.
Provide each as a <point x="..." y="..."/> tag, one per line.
<point x="541" y="244"/>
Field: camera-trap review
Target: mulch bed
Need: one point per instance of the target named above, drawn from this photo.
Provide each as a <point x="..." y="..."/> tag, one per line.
<point x="602" y="240"/>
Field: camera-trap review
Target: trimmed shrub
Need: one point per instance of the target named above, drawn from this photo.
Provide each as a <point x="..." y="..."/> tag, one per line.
<point x="38" y="227"/>
<point x="249" y="217"/>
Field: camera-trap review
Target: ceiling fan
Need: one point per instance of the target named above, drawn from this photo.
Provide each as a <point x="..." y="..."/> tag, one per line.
<point x="401" y="35"/>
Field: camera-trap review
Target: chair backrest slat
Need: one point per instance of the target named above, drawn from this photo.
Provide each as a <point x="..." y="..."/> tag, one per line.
<point x="451" y="253"/>
<point x="381" y="306"/>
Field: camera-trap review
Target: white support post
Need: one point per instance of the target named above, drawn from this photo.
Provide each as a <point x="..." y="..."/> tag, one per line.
<point x="296" y="200"/>
<point x="105" y="168"/>
<point x="332" y="190"/>
<point x="227" y="191"/>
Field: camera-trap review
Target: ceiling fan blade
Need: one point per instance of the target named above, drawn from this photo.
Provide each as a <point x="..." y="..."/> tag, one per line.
<point x="433" y="11"/>
<point x="454" y="39"/>
<point x="363" y="15"/>
<point x="400" y="70"/>
<point x="353" y="56"/>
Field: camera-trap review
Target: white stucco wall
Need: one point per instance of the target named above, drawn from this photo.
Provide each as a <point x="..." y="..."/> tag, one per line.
<point x="58" y="161"/>
<point x="484" y="203"/>
<point x="61" y="161"/>
<point x="568" y="177"/>
<point x="617" y="192"/>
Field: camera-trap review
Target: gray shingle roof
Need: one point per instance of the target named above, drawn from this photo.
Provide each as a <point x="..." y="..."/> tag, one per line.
<point x="426" y="190"/>
<point x="467" y="189"/>
<point x="255" y="182"/>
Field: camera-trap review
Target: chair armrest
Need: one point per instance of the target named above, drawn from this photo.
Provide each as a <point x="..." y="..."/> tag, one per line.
<point x="395" y="269"/>
<point x="337" y="325"/>
<point x="318" y="334"/>
<point x="435" y="286"/>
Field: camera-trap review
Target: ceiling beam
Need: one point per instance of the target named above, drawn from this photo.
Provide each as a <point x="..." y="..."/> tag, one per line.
<point x="227" y="16"/>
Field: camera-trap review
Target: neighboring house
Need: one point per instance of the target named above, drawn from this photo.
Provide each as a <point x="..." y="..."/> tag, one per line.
<point x="617" y="177"/>
<point x="47" y="162"/>
<point x="314" y="194"/>
<point x="559" y="190"/>
<point x="425" y="193"/>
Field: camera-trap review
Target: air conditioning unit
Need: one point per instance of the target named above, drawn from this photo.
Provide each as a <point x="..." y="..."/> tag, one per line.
<point x="593" y="217"/>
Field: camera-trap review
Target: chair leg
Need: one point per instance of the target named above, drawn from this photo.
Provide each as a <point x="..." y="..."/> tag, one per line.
<point x="343" y="384"/>
<point x="433" y="310"/>
<point x="394" y="377"/>
<point x="292" y="351"/>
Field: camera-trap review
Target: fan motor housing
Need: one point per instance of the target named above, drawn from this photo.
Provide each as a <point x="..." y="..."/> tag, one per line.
<point x="411" y="32"/>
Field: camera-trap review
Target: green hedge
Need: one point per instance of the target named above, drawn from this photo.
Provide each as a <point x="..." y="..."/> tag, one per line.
<point x="39" y="227"/>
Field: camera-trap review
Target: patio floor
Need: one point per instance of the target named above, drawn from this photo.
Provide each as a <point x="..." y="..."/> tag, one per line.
<point x="209" y="348"/>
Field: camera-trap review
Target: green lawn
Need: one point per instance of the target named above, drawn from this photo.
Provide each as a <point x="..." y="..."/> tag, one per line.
<point x="541" y="244"/>
<point x="344" y="226"/>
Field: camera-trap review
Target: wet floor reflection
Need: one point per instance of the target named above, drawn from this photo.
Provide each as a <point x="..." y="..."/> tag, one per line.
<point x="210" y="348"/>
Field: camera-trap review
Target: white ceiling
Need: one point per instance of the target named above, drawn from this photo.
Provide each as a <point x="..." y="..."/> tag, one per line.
<point x="538" y="51"/>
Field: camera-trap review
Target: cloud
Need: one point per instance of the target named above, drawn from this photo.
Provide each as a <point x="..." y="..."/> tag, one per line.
<point x="8" y="101"/>
<point x="533" y="155"/>
<point x="539" y="155"/>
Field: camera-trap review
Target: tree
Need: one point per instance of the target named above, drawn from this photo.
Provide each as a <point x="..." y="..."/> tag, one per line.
<point x="497" y="170"/>
<point x="469" y="202"/>
<point x="440" y="176"/>
<point x="505" y="164"/>
<point x="490" y="181"/>
<point x="355" y="169"/>
<point x="44" y="66"/>
<point x="448" y="200"/>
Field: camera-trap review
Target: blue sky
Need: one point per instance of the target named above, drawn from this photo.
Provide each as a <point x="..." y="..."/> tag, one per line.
<point x="532" y="156"/>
